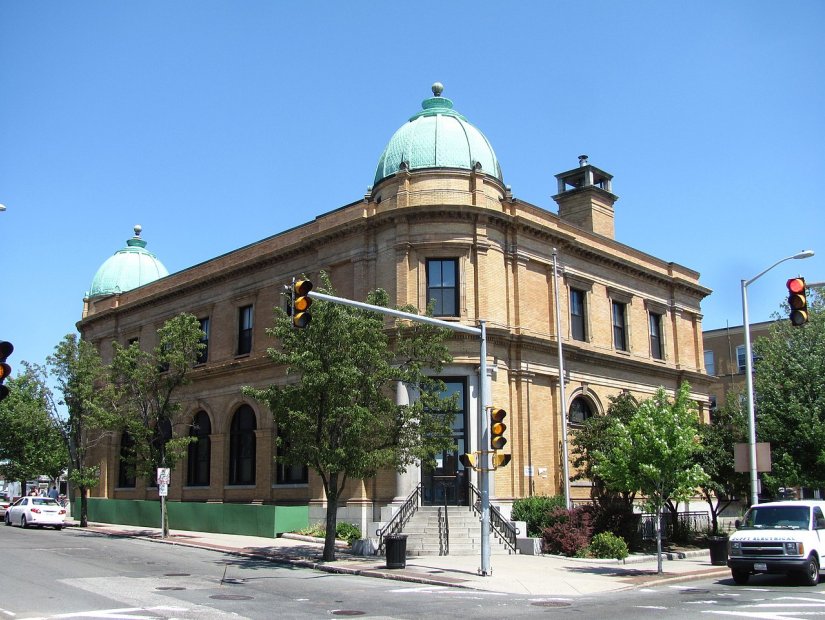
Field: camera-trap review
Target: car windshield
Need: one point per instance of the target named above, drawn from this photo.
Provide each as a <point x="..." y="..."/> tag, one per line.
<point x="43" y="501"/>
<point x="778" y="517"/>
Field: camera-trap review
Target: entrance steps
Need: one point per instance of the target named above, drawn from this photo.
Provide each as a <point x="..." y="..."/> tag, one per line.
<point x="426" y="533"/>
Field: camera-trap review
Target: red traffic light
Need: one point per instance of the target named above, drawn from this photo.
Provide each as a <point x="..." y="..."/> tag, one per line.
<point x="797" y="301"/>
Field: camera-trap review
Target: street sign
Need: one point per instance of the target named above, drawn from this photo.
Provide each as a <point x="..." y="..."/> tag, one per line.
<point x="163" y="489"/>
<point x="164" y="475"/>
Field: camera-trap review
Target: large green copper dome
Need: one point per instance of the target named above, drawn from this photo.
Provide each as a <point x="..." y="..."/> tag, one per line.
<point x="437" y="137"/>
<point x="129" y="268"/>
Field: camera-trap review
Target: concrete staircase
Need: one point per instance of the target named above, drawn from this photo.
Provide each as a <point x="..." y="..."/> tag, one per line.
<point x="426" y="533"/>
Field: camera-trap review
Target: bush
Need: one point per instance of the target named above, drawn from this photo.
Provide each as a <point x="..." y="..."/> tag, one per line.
<point x="347" y="531"/>
<point x="608" y="545"/>
<point x="570" y="531"/>
<point x="536" y="512"/>
<point x="619" y="519"/>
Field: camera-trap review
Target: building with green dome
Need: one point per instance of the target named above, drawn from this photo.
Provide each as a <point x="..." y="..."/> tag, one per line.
<point x="438" y="223"/>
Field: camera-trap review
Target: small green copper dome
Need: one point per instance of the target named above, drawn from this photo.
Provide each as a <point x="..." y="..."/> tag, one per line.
<point x="129" y="268"/>
<point x="437" y="137"/>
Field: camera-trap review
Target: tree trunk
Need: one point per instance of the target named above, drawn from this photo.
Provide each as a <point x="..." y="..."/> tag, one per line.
<point x="84" y="508"/>
<point x="332" y="518"/>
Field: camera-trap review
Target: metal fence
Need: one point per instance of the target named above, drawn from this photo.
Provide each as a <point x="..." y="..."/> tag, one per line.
<point x="688" y="523"/>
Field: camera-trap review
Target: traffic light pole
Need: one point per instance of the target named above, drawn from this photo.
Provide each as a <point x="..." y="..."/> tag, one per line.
<point x="483" y="401"/>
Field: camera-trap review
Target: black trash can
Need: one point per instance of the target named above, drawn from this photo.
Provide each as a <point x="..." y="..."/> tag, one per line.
<point x="396" y="550"/>
<point x="718" y="550"/>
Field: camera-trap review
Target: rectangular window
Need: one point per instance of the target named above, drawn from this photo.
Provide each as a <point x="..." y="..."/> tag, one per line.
<point x="203" y="354"/>
<point x="288" y="473"/>
<point x="244" y="330"/>
<point x="741" y="359"/>
<point x="442" y="286"/>
<point x="577" y="315"/>
<point x="710" y="363"/>
<point x="619" y="326"/>
<point x="656" y="349"/>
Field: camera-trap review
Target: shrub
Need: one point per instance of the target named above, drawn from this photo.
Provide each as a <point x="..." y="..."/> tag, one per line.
<point x="347" y="531"/>
<point x="536" y="512"/>
<point x="619" y="519"/>
<point x="570" y="531"/>
<point x="608" y="545"/>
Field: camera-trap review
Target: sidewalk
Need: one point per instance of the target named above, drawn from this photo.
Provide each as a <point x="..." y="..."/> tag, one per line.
<point x="516" y="574"/>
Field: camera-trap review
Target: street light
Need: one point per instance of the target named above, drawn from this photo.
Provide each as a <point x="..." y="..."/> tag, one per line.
<point x="749" y="372"/>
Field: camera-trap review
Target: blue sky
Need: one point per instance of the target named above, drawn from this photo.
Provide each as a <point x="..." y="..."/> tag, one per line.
<point x="214" y="124"/>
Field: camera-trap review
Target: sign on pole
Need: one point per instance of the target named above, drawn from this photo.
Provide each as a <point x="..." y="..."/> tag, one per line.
<point x="164" y="475"/>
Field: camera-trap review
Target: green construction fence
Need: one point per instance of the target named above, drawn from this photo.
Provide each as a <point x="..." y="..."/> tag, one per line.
<point x="246" y="519"/>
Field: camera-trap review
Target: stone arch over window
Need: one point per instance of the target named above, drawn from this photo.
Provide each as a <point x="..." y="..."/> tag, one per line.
<point x="126" y="462"/>
<point x="242" y="446"/>
<point x="200" y="451"/>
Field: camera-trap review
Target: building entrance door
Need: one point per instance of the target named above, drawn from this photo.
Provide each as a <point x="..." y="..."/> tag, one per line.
<point x="448" y="480"/>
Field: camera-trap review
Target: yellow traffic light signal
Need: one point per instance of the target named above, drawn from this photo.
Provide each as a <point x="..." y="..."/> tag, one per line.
<point x="468" y="460"/>
<point x="301" y="303"/>
<point x="6" y="349"/>
<point x="497" y="428"/>
<point x="797" y="301"/>
<point x="501" y="460"/>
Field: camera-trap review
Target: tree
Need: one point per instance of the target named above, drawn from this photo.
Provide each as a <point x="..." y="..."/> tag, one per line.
<point x="82" y="379"/>
<point x="335" y="408"/>
<point x="143" y="389"/>
<point x="30" y="442"/>
<point x="595" y="435"/>
<point x="789" y="387"/>
<point x="723" y="484"/>
<point x="654" y="454"/>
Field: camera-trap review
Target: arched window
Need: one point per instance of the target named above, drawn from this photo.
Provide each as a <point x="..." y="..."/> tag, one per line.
<point x="242" y="447"/>
<point x="126" y="462"/>
<point x="580" y="410"/>
<point x="200" y="451"/>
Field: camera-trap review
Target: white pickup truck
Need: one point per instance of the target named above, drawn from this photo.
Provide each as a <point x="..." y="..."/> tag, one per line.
<point x="779" y="538"/>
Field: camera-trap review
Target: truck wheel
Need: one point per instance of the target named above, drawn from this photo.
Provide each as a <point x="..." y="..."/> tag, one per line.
<point x="811" y="575"/>
<point x="740" y="577"/>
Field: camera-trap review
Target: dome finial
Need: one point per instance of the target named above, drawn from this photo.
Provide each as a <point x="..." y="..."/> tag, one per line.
<point x="138" y="229"/>
<point x="438" y="88"/>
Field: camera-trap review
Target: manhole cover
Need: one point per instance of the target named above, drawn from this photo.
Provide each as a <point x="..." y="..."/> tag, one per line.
<point x="231" y="597"/>
<point x="551" y="604"/>
<point x="177" y="575"/>
<point x="233" y="580"/>
<point x="694" y="591"/>
<point x="170" y="588"/>
<point x="347" y="612"/>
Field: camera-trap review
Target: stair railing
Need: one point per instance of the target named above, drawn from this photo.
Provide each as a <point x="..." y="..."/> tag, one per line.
<point x="400" y="518"/>
<point x="503" y="528"/>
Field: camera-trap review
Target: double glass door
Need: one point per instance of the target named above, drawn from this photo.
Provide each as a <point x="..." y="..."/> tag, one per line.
<point x="449" y="480"/>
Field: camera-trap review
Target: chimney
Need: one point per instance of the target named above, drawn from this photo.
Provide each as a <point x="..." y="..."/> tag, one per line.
<point x="585" y="198"/>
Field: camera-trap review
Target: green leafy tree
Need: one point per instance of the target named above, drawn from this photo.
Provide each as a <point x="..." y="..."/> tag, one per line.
<point x="143" y="389"/>
<point x="789" y="386"/>
<point x="30" y="441"/>
<point x="82" y="379"/>
<point x="654" y="453"/>
<point x="723" y="484"/>
<point x="335" y="405"/>
<point x="595" y="435"/>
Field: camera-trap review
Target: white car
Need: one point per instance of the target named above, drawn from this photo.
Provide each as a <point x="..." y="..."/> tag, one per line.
<point x="38" y="511"/>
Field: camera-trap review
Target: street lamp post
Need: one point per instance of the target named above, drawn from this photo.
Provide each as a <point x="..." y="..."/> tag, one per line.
<point x="749" y="372"/>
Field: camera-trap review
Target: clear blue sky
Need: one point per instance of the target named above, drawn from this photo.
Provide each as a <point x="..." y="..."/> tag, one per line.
<point x="214" y="124"/>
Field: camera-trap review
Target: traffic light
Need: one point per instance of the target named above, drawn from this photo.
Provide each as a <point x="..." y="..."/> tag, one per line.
<point x="501" y="460"/>
<point x="497" y="428"/>
<point x="797" y="301"/>
<point x="6" y="349"/>
<point x="301" y="303"/>
<point x="468" y="460"/>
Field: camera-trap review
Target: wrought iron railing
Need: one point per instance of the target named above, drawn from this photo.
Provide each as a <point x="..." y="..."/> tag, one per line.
<point x="505" y="530"/>
<point x="400" y="518"/>
<point x="688" y="522"/>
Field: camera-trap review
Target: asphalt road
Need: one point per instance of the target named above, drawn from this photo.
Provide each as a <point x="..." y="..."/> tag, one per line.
<point x="80" y="574"/>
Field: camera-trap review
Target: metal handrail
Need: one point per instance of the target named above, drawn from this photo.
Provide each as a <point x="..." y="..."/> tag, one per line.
<point x="400" y="518"/>
<point x="505" y="530"/>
